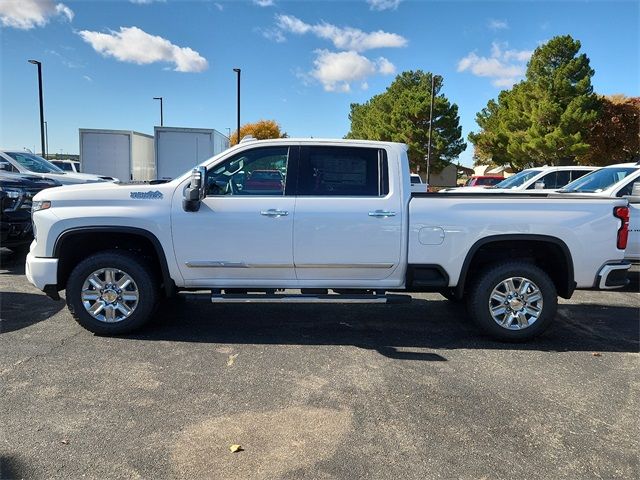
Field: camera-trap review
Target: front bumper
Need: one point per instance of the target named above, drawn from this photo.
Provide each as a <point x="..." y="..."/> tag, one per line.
<point x="41" y="272"/>
<point x="15" y="233"/>
<point x="613" y="275"/>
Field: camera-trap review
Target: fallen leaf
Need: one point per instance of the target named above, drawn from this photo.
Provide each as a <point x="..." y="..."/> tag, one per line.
<point x="236" y="448"/>
<point x="596" y="354"/>
<point x="232" y="358"/>
<point x="64" y="442"/>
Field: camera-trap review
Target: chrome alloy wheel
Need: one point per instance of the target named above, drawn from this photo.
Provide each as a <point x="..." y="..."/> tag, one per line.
<point x="109" y="295"/>
<point x="515" y="303"/>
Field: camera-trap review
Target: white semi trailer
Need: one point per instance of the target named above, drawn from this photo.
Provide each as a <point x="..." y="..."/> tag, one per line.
<point x="123" y="154"/>
<point x="178" y="150"/>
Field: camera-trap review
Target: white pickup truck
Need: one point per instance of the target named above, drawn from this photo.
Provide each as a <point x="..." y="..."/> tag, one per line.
<point x="334" y="219"/>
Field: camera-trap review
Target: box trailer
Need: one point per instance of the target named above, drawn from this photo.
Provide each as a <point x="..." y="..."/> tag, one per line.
<point x="124" y="154"/>
<point x="180" y="149"/>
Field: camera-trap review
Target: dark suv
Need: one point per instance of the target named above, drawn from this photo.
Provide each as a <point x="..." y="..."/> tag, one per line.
<point x="16" y="192"/>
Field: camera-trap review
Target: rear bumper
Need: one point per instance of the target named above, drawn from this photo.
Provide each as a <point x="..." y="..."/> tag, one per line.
<point x="613" y="275"/>
<point x="41" y="272"/>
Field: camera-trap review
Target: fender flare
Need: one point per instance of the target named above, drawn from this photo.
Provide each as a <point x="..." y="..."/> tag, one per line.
<point x="566" y="291"/>
<point x="169" y="284"/>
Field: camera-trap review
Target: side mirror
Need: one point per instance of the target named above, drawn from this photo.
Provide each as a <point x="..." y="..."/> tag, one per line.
<point x="195" y="192"/>
<point x="539" y="186"/>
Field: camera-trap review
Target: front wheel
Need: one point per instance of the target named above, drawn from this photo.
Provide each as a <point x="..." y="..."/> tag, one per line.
<point x="112" y="292"/>
<point x="513" y="301"/>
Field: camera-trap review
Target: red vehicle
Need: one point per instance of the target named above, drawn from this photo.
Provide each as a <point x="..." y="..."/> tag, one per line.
<point x="271" y="180"/>
<point x="483" y="180"/>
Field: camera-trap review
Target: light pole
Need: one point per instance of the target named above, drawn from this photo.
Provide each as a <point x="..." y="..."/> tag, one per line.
<point x="46" y="137"/>
<point x="237" y="70"/>
<point x="161" y="116"/>
<point x="433" y="85"/>
<point x="42" y="142"/>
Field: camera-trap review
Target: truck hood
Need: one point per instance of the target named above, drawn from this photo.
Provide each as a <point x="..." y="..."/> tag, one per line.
<point x="72" y="178"/>
<point x="103" y="193"/>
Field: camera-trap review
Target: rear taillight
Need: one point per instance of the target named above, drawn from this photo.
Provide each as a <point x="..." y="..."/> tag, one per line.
<point x="623" y="232"/>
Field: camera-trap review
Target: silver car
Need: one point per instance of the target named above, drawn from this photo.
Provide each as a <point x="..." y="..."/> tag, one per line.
<point x="26" y="162"/>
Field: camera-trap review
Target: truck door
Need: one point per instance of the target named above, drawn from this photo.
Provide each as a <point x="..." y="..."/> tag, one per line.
<point x="348" y="219"/>
<point x="242" y="233"/>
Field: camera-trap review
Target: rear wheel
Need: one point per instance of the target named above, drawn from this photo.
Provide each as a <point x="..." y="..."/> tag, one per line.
<point x="112" y="293"/>
<point x="513" y="301"/>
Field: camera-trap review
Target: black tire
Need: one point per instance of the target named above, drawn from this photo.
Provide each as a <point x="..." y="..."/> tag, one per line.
<point x="479" y="300"/>
<point x="141" y="273"/>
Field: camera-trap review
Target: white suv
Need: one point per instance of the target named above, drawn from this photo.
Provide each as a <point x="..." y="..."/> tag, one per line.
<point x="67" y="165"/>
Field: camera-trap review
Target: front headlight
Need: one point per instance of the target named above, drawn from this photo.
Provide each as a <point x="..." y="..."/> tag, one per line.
<point x="38" y="205"/>
<point x="10" y="198"/>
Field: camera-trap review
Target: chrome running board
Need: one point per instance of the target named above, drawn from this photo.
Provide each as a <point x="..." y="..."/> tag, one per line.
<point x="307" y="298"/>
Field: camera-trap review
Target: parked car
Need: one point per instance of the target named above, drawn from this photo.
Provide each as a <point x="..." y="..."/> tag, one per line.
<point x="539" y="179"/>
<point x="417" y="185"/>
<point x="483" y="180"/>
<point x="263" y="181"/>
<point x="67" y="165"/>
<point x="28" y="163"/>
<point x="615" y="181"/>
<point x="346" y="221"/>
<point x="16" y="193"/>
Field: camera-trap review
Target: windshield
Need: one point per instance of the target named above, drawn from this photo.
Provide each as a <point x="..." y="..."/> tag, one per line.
<point x="415" y="179"/>
<point x="599" y="180"/>
<point x="517" y="179"/>
<point x="34" y="163"/>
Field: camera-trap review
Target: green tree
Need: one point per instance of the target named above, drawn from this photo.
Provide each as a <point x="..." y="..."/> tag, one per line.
<point x="401" y="114"/>
<point x="260" y="130"/>
<point x="545" y="118"/>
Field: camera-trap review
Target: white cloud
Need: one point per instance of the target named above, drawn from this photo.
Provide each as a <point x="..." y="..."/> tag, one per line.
<point x="87" y="78"/>
<point x="27" y="14"/>
<point x="504" y="66"/>
<point x="134" y="45"/>
<point x="146" y="2"/>
<point x="497" y="24"/>
<point x="264" y="3"/>
<point x="62" y="9"/>
<point x="386" y="67"/>
<point x="346" y="38"/>
<point x="273" y="34"/>
<point x="337" y="70"/>
<point x="219" y="6"/>
<point x="383" y="4"/>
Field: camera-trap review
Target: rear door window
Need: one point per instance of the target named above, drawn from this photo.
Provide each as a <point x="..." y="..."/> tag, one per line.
<point x="343" y="171"/>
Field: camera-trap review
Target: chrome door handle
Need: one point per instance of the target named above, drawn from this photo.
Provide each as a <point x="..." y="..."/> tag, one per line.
<point x="272" y="212"/>
<point x="382" y="213"/>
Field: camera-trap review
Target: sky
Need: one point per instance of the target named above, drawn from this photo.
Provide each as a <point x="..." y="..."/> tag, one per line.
<point x="303" y="62"/>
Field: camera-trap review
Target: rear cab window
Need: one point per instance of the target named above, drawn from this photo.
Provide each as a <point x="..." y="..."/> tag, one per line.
<point x="343" y="171"/>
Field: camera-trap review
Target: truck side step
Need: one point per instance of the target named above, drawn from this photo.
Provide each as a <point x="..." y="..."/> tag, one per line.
<point x="308" y="298"/>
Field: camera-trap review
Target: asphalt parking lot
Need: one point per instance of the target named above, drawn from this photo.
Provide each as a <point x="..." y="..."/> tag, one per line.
<point x="317" y="392"/>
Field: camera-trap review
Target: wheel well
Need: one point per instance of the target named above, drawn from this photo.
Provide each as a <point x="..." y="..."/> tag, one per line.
<point x="74" y="246"/>
<point x="552" y="256"/>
